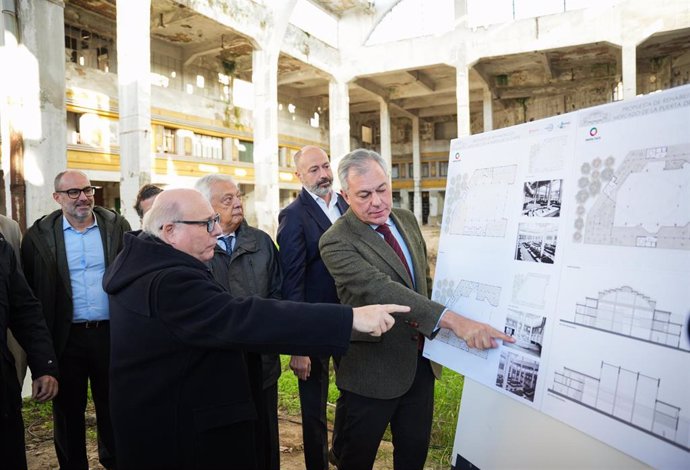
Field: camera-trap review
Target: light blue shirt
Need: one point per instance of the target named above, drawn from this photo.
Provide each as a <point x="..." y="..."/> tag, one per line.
<point x="86" y="262"/>
<point x="221" y="243"/>
<point x="401" y="241"/>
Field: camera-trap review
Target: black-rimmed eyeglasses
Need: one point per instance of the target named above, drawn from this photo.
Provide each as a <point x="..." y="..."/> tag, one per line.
<point x="209" y="223"/>
<point x="73" y="193"/>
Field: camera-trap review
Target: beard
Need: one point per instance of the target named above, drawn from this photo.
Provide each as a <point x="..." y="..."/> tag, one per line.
<point x="77" y="210"/>
<point x="322" y="187"/>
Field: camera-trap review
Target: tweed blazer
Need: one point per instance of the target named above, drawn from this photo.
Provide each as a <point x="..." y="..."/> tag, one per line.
<point x="367" y="271"/>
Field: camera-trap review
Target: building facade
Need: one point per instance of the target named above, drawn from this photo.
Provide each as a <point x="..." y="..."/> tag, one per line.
<point x="165" y="91"/>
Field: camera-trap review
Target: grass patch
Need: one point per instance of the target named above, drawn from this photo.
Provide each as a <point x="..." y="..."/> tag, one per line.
<point x="448" y="392"/>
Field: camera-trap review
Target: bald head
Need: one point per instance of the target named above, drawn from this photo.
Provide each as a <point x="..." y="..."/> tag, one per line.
<point x="309" y="150"/>
<point x="179" y="217"/>
<point x="313" y="168"/>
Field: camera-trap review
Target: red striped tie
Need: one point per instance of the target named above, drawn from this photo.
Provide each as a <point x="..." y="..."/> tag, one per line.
<point x="390" y="239"/>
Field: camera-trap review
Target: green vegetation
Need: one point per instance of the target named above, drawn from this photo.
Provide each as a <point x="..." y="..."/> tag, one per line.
<point x="446" y="404"/>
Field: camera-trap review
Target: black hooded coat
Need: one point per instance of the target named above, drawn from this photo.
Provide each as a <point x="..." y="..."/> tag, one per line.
<point x="180" y="395"/>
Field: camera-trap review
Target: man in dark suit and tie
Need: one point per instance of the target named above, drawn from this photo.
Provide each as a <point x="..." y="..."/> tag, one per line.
<point x="376" y="254"/>
<point x="306" y="279"/>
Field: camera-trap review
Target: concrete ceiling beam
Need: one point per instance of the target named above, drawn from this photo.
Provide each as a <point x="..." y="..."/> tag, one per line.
<point x="552" y="89"/>
<point x="422" y="80"/>
<point x="487" y="78"/>
<point x="301" y="76"/>
<point x="546" y="63"/>
<point x="370" y="86"/>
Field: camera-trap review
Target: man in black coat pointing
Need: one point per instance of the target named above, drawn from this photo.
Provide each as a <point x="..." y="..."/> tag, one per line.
<point x="180" y="394"/>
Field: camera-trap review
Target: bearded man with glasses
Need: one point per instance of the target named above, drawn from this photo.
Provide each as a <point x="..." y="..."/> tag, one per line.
<point x="65" y="254"/>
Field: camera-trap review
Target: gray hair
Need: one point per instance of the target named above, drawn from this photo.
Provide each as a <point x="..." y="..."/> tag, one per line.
<point x="357" y="160"/>
<point x="160" y="213"/>
<point x="203" y="185"/>
<point x="58" y="177"/>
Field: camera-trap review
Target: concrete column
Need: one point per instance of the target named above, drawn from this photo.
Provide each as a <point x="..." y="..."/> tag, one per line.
<point x="629" y="61"/>
<point x="267" y="193"/>
<point x="134" y="93"/>
<point x="405" y="199"/>
<point x="227" y="149"/>
<point x="462" y="92"/>
<point x="433" y="207"/>
<point x="265" y="115"/>
<point x="339" y="120"/>
<point x="488" y="110"/>
<point x="32" y="109"/>
<point x="385" y="137"/>
<point x="416" y="170"/>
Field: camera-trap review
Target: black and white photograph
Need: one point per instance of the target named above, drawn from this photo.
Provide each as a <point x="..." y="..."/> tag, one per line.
<point x="517" y="374"/>
<point x="542" y="198"/>
<point x="528" y="331"/>
<point x="536" y="243"/>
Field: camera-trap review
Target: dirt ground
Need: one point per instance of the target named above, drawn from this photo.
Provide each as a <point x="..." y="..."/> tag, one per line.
<point x="40" y="452"/>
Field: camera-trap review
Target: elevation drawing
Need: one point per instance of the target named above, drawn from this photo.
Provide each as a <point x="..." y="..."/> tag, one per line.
<point x="627" y="396"/>
<point x="627" y="312"/>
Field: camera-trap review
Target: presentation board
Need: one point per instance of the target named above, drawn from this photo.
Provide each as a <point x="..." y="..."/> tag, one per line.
<point x="572" y="234"/>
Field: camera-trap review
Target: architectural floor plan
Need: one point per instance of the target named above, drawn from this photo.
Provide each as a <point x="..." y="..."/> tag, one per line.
<point x="644" y="202"/>
<point x="477" y="204"/>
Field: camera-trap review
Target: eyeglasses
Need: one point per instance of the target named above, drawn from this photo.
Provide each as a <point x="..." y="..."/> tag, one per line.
<point x="73" y="193"/>
<point x="209" y="223"/>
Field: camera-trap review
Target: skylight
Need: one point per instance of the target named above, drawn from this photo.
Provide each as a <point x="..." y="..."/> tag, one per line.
<point x="313" y="20"/>
<point x="414" y="18"/>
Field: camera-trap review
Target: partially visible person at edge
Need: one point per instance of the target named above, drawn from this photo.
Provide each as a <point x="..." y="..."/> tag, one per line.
<point x="145" y="197"/>
<point x="181" y="396"/>
<point x="377" y="254"/>
<point x="65" y="255"/>
<point x="245" y="262"/>
<point x="12" y="233"/>
<point x="20" y="313"/>
<point x="306" y="279"/>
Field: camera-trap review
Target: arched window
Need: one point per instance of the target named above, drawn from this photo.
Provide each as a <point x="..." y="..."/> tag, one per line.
<point x="414" y="18"/>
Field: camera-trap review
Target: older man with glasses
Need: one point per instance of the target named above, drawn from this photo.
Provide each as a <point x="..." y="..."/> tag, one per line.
<point x="65" y="254"/>
<point x="181" y="396"/>
<point x="245" y="262"/>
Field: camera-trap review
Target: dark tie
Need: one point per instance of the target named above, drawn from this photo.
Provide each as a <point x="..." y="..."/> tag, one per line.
<point x="228" y="243"/>
<point x="390" y="239"/>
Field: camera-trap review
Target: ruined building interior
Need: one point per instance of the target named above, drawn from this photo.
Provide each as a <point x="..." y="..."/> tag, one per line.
<point x="165" y="91"/>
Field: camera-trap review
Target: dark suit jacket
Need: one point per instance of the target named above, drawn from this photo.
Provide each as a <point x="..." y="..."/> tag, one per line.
<point x="21" y="313"/>
<point x="367" y="271"/>
<point x="46" y="269"/>
<point x="179" y="392"/>
<point x="253" y="269"/>
<point x="305" y="277"/>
